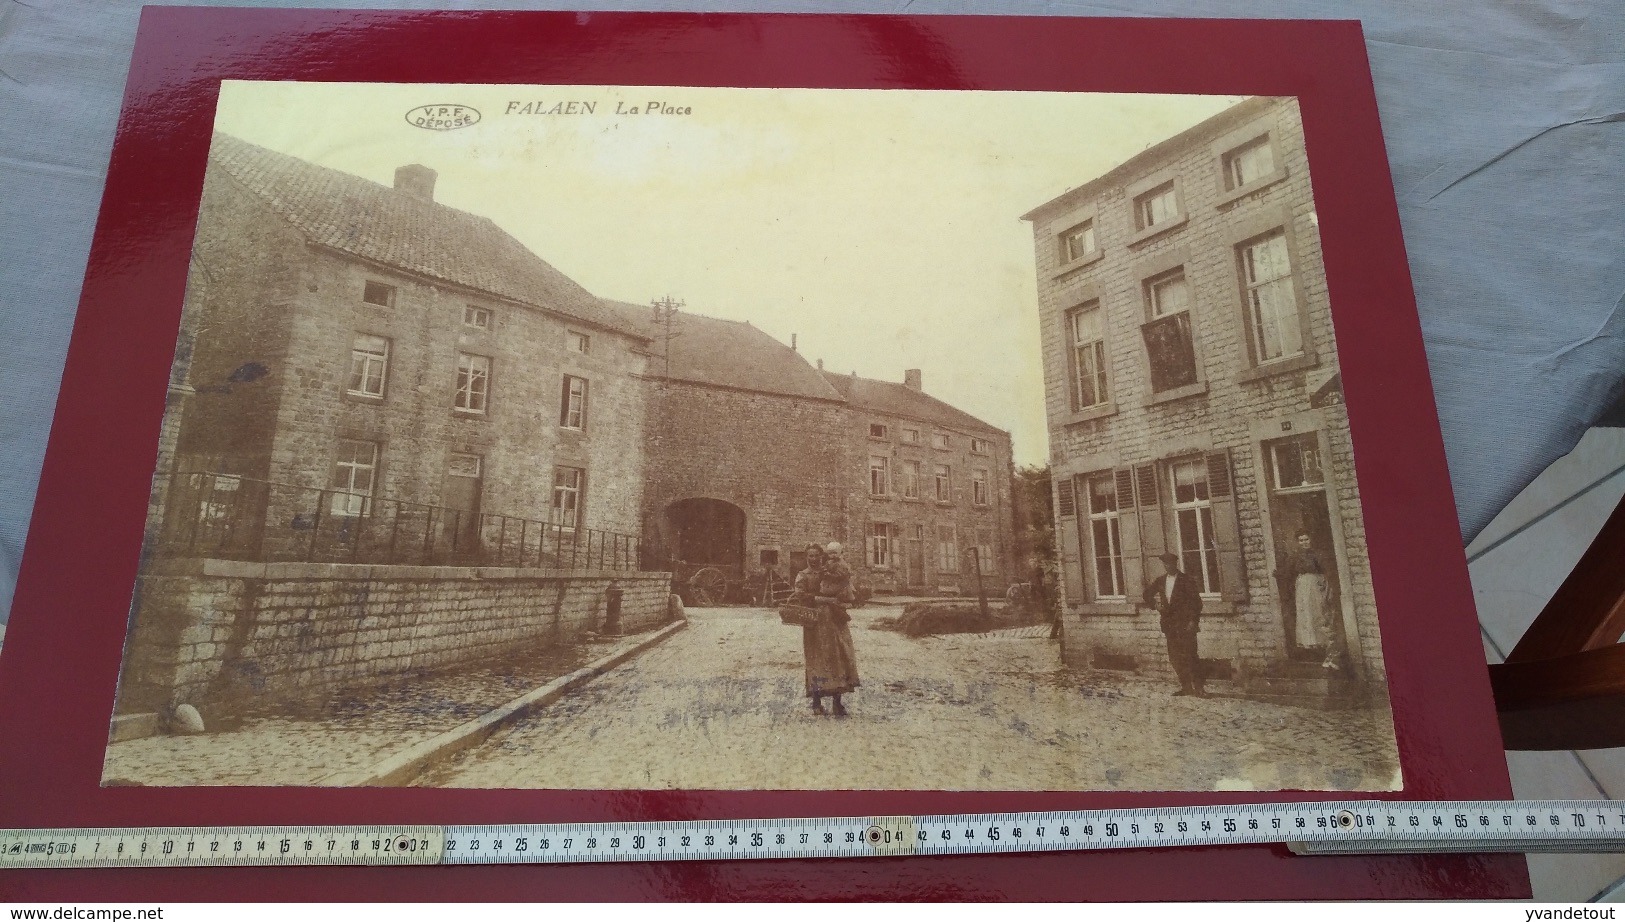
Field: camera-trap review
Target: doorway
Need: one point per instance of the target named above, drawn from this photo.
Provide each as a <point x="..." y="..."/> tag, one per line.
<point x="1304" y="549"/>
<point x="706" y="533"/>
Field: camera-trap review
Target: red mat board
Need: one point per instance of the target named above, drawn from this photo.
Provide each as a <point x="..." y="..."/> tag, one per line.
<point x="65" y="639"/>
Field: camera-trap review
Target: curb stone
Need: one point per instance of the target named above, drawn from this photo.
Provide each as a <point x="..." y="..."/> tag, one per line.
<point x="402" y="767"/>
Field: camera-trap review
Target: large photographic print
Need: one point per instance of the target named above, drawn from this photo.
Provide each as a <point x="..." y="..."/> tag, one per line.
<point x="746" y="439"/>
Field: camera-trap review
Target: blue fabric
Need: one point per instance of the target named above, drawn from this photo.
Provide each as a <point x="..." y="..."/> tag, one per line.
<point x="1505" y="125"/>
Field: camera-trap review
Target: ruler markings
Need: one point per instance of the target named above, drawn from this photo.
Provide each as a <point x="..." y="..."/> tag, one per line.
<point x="1348" y="827"/>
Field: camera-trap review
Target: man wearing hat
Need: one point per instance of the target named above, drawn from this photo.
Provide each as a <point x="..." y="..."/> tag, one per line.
<point x="1178" y="601"/>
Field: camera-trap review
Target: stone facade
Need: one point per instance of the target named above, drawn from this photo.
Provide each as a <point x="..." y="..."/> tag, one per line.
<point x="225" y="635"/>
<point x="912" y="535"/>
<point x="1194" y="406"/>
<point x="272" y="369"/>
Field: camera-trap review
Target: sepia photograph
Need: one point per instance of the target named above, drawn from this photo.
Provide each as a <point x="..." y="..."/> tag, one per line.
<point x="711" y="438"/>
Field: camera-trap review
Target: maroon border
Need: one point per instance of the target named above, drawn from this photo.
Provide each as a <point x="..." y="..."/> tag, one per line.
<point x="66" y="636"/>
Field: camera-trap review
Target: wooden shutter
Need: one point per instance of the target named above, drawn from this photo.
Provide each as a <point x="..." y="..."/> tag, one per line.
<point x="1128" y="530"/>
<point x="1226" y="526"/>
<point x="1066" y="531"/>
<point x="1153" y="541"/>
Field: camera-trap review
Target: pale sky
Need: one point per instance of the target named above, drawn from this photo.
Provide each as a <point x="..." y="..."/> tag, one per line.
<point x="880" y="226"/>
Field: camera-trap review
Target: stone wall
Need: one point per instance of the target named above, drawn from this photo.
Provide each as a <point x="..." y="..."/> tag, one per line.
<point x="783" y="460"/>
<point x="223" y="634"/>
<point x="1226" y="419"/>
<point x="915" y="560"/>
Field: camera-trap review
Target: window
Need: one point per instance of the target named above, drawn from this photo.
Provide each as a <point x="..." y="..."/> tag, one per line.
<point x="477" y="317"/>
<point x="1106" y="537"/>
<point x="1078" y="242"/>
<point x="461" y="465"/>
<point x="568" y="485"/>
<point x="882" y="537"/>
<point x="911" y="479"/>
<point x="984" y="551"/>
<point x="379" y="293"/>
<point x="579" y="342"/>
<point x="879" y="475"/>
<point x="979" y="488"/>
<point x="940" y="440"/>
<point x="1158" y="206"/>
<point x="473" y="382"/>
<point x="354" y="465"/>
<point x="573" y="403"/>
<point x="1295" y="465"/>
<point x="944" y="484"/>
<point x="1272" y="311"/>
<point x="877" y="431"/>
<point x="1249" y="163"/>
<point x="768" y="557"/>
<point x="1088" y="356"/>
<point x="980" y="446"/>
<point x="1193" y="514"/>
<point x="947" y="549"/>
<point x="369" y="365"/>
<point x="911" y="436"/>
<point x="1168" y="339"/>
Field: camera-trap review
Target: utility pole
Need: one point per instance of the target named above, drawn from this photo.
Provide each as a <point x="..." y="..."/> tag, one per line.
<point x="665" y="313"/>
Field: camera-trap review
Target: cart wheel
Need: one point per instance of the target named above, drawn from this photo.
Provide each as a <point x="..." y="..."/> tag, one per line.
<point x="709" y="587"/>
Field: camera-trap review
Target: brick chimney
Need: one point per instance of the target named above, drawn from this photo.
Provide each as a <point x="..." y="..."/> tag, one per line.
<point x="416" y="179"/>
<point x="911" y="380"/>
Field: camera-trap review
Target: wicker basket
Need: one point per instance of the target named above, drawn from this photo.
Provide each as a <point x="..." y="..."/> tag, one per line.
<point x="797" y="615"/>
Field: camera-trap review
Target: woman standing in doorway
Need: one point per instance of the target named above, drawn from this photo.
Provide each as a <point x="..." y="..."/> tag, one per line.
<point x="1311" y="596"/>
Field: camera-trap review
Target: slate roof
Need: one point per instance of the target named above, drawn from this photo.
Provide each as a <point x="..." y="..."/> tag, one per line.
<point x="726" y="353"/>
<point x="894" y="399"/>
<point x="378" y="223"/>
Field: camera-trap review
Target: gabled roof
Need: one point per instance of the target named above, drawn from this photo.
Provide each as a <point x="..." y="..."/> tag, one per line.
<point x="895" y="399"/>
<point x="725" y="353"/>
<point x="383" y="225"/>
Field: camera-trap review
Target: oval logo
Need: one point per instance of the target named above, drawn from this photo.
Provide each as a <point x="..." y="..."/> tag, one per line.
<point x="443" y="116"/>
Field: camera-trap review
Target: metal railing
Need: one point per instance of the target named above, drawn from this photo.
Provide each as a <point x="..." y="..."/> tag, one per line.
<point x="240" y="518"/>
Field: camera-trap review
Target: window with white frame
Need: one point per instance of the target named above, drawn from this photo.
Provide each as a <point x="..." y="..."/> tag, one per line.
<point x="1273" y="325"/>
<point x="573" y="403"/>
<point x="473" y="383"/>
<point x="1087" y="356"/>
<point x="579" y="342"/>
<point x="980" y="494"/>
<point x="1157" y="206"/>
<point x="1169" y="341"/>
<point x="1105" y="537"/>
<point x="911" y="479"/>
<point x="475" y="317"/>
<point x="879" y="475"/>
<point x="980" y="447"/>
<point x="941" y="440"/>
<point x="378" y="293"/>
<point x="947" y="549"/>
<point x="369" y="365"/>
<point x="355" y="466"/>
<point x="882" y="541"/>
<point x="984" y="551"/>
<point x="1078" y="242"/>
<point x="1193" y="515"/>
<point x="569" y="484"/>
<point x="911" y="436"/>
<point x="1295" y="464"/>
<point x="1249" y="163"/>
<point x="944" y="484"/>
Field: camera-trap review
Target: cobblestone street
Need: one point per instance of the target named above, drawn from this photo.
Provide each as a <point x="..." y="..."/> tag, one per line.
<point x="720" y="706"/>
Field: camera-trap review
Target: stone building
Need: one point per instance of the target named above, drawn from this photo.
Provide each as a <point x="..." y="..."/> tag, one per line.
<point x="751" y="453"/>
<point x="1194" y="407"/>
<point x="933" y="489"/>
<point x="357" y="347"/>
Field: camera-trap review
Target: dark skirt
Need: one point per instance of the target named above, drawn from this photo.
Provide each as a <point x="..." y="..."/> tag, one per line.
<point x="832" y="663"/>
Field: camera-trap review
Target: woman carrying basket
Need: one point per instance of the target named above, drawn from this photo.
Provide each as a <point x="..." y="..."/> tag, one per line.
<point x="825" y="588"/>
